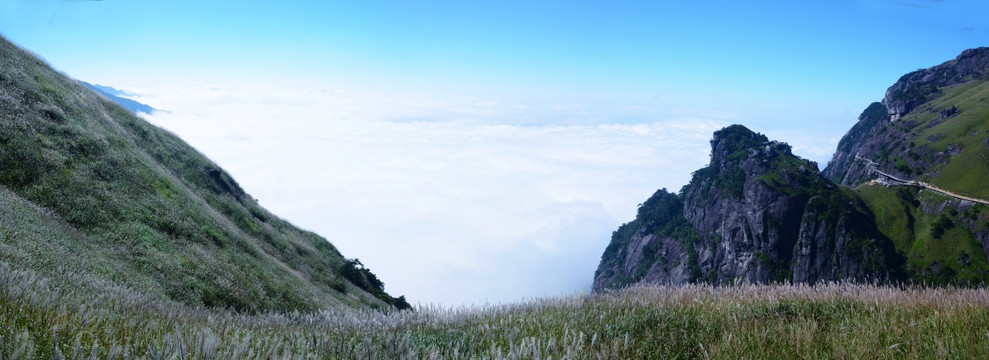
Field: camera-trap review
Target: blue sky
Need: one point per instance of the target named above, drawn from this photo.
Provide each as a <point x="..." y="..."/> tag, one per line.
<point x="570" y="48"/>
<point x="480" y="143"/>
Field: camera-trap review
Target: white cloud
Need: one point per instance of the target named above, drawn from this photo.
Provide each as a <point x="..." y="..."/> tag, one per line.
<point x="457" y="204"/>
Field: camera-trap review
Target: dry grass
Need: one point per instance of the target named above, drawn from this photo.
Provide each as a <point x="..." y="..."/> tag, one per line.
<point x="39" y="320"/>
<point x="88" y="185"/>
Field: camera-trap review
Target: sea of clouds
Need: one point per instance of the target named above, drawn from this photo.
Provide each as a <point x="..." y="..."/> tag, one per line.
<point x="448" y="201"/>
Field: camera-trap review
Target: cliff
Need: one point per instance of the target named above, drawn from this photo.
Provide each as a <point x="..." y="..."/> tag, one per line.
<point x="755" y="214"/>
<point x="932" y="127"/>
<point x="759" y="214"/>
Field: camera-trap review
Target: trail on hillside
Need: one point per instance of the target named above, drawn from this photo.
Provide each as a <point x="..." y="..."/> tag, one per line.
<point x="893" y="180"/>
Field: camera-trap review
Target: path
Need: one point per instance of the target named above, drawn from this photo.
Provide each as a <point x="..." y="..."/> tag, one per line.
<point x="893" y="180"/>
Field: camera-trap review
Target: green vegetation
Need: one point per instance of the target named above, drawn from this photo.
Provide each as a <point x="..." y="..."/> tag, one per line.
<point x="944" y="143"/>
<point x="943" y="140"/>
<point x="942" y="224"/>
<point x="937" y="248"/>
<point x="735" y="141"/>
<point x="89" y="188"/>
<point x="731" y="145"/>
<point x="891" y="207"/>
<point x="40" y="320"/>
<point x="662" y="215"/>
<point x="357" y="274"/>
<point x="961" y="135"/>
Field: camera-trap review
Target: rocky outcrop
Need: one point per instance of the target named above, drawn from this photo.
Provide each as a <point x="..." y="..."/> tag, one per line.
<point x="838" y="240"/>
<point x="877" y="135"/>
<point x="748" y="223"/>
<point x="759" y="214"/>
<point x="911" y="135"/>
<point x="917" y="87"/>
<point x="755" y="214"/>
<point x="656" y="247"/>
<point x="650" y="258"/>
<point x="862" y="141"/>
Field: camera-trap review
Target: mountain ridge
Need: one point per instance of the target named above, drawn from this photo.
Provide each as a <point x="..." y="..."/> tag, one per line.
<point x="759" y="214"/>
<point x="117" y="96"/>
<point x="755" y="214"/>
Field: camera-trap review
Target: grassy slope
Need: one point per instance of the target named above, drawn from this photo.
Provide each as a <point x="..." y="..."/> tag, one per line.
<point x="87" y="187"/>
<point x="770" y="322"/>
<point x="955" y="255"/>
<point x="952" y="257"/>
<point x="968" y="172"/>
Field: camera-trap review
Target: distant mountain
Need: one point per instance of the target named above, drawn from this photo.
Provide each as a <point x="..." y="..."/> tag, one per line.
<point x="88" y="188"/>
<point x="108" y="90"/>
<point x="903" y="199"/>
<point x="117" y="97"/>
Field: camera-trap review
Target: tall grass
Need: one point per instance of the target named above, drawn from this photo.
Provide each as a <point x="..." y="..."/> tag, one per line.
<point x="113" y="196"/>
<point x="39" y="319"/>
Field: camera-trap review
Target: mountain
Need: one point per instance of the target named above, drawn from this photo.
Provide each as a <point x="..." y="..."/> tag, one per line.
<point x="755" y="214"/>
<point x="117" y="96"/>
<point x="89" y="189"/>
<point x="932" y="127"/>
<point x="900" y="201"/>
<point x="108" y="90"/>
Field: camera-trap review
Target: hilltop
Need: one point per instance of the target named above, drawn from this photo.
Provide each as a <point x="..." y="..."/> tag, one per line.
<point x="91" y="192"/>
<point x="901" y="201"/>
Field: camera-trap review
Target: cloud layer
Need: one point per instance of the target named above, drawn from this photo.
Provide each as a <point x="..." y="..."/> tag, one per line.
<point x="447" y="201"/>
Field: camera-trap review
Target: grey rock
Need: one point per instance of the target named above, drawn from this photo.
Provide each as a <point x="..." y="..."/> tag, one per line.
<point x="915" y="88"/>
<point x="879" y="127"/>
<point x="759" y="214"/>
<point x="760" y="217"/>
<point x="948" y="112"/>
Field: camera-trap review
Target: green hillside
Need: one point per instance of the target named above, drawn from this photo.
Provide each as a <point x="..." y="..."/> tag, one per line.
<point x="943" y="141"/>
<point x="964" y="132"/>
<point x="939" y="247"/>
<point x="88" y="188"/>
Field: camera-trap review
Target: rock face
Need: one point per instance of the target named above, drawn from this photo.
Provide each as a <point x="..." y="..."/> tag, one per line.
<point x="931" y="126"/>
<point x="759" y="214"/>
<point x="875" y="133"/>
<point x="918" y="87"/>
<point x="755" y="214"/>
<point x="656" y="247"/>
<point x="864" y="137"/>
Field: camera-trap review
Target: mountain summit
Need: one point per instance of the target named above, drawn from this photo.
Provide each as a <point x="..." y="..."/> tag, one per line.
<point x="89" y="189"/>
<point x="755" y="214"/>
<point x="903" y="199"/>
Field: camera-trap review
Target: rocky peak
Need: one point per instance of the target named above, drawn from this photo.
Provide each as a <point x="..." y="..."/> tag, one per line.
<point x="734" y="142"/>
<point x="739" y="152"/>
<point x="757" y="214"/>
<point x="879" y="134"/>
<point x="919" y="86"/>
